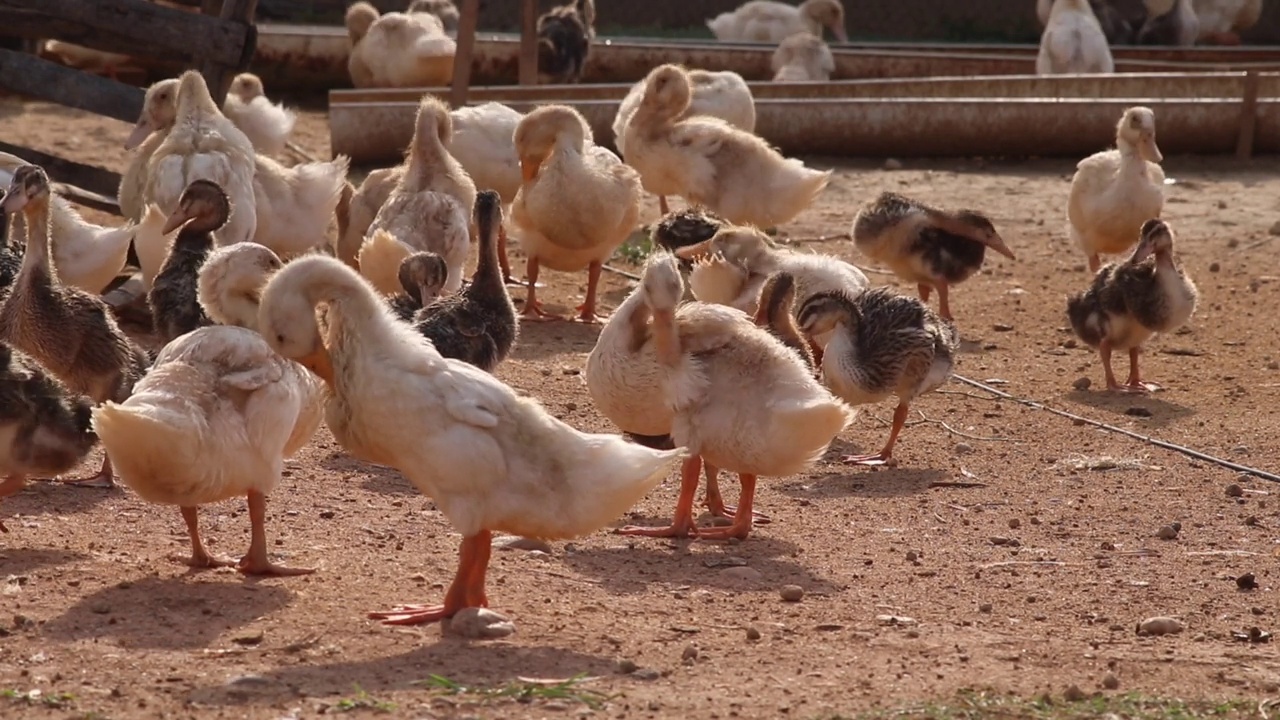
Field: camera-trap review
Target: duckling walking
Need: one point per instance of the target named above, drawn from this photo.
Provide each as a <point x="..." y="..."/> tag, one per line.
<point x="1130" y="301"/>
<point x="922" y="244"/>
<point x="880" y="344"/>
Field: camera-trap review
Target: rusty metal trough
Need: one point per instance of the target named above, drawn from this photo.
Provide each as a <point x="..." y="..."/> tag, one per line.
<point x="977" y="116"/>
<point x="309" y="56"/>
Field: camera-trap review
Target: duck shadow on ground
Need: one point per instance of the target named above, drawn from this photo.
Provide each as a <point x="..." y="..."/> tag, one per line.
<point x="378" y="478"/>
<point x="180" y="612"/>
<point x="1150" y="408"/>
<point x="54" y="497"/>
<point x="19" y="561"/>
<point x="884" y="482"/>
<point x="473" y="664"/>
<point x="565" y="339"/>
<point x="629" y="565"/>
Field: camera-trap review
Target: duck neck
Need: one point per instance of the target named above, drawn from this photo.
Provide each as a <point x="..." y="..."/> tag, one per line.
<point x="488" y="274"/>
<point x="950" y="224"/>
<point x="666" y="341"/>
<point x="38" y="257"/>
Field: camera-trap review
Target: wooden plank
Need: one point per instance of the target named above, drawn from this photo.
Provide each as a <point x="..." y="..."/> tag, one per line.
<point x="89" y="177"/>
<point x="135" y="27"/>
<point x="528" y="42"/>
<point x="30" y="75"/>
<point x="466" y="45"/>
<point x="1248" y="117"/>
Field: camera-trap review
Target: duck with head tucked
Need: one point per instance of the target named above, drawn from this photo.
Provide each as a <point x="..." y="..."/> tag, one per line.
<point x="489" y="458"/>
<point x="70" y="332"/>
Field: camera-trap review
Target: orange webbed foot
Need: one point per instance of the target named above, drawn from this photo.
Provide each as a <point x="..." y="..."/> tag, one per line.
<point x="870" y="460"/>
<point x="202" y="561"/>
<point x="414" y="614"/>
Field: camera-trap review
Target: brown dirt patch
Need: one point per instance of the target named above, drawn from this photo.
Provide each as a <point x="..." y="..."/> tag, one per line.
<point x="90" y="606"/>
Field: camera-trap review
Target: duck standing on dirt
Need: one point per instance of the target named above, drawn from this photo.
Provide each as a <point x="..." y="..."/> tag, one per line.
<point x="922" y="244"/>
<point x="880" y="344"/>
<point x="564" y="40"/>
<point x="1132" y="300"/>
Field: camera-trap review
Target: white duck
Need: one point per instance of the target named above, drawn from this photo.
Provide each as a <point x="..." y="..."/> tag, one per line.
<point x="214" y="418"/>
<point x="1073" y="41"/>
<point x="711" y="163"/>
<point x="204" y="145"/>
<point x="803" y="57"/>
<point x="1222" y="20"/>
<point x="88" y="256"/>
<point x="483" y="142"/>
<point x="766" y="21"/>
<point x="1115" y="191"/>
<point x="578" y="204"/>
<point x="742" y="400"/>
<point x="267" y="124"/>
<point x="427" y="210"/>
<point x="159" y="110"/>
<point x="489" y="458"/>
<point x="723" y="95"/>
<point x="397" y="50"/>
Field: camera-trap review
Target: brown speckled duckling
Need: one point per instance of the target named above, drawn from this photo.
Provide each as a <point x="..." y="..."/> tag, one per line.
<point x="775" y="314"/>
<point x="478" y="324"/>
<point x="682" y="228"/>
<point x="175" y="309"/>
<point x="1132" y="300"/>
<point x="422" y="275"/>
<point x="44" y="430"/>
<point x="881" y="344"/>
<point x="71" y="333"/>
<point x="925" y="245"/>
<point x="564" y="40"/>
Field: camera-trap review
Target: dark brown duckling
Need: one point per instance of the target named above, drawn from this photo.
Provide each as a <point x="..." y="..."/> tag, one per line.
<point x="45" y="429"/>
<point x="478" y="324"/>
<point x="175" y="308"/>
<point x="685" y="228"/>
<point x="1132" y="300"/>
<point x="564" y="40"/>
<point x="776" y="314"/>
<point x="422" y="275"/>
<point x="10" y="258"/>
<point x="1179" y="26"/>
<point x="68" y="331"/>
<point x="925" y="245"/>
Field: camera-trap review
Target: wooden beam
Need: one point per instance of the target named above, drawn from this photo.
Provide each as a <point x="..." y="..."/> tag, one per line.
<point x="86" y="185"/>
<point x="217" y="73"/>
<point x="466" y="45"/>
<point x="528" y="42"/>
<point x="1248" y="117"/>
<point x="135" y="27"/>
<point x="30" y="75"/>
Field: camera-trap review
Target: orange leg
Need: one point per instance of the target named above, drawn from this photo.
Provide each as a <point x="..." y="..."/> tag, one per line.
<point x="885" y="456"/>
<point x="587" y="310"/>
<point x="662" y="204"/>
<point x="715" y="501"/>
<point x="532" y="308"/>
<point x="104" y="479"/>
<point x="1134" y="383"/>
<point x="200" y="557"/>
<point x="944" y="304"/>
<point x="1094" y="263"/>
<point x="256" y="562"/>
<point x="741" y="526"/>
<point x="925" y="289"/>
<point x="466" y="591"/>
<point x="11" y="485"/>
<point x="682" y="524"/>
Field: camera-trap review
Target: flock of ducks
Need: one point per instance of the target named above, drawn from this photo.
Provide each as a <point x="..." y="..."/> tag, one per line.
<point x="266" y="329"/>
<point x="1078" y="34"/>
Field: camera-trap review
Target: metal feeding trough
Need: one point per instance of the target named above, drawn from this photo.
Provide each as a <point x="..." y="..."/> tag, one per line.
<point x="929" y="117"/>
<point x="314" y="56"/>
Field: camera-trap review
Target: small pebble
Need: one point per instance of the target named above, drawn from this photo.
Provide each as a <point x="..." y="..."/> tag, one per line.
<point x="964" y="448"/>
<point x="646" y="674"/>
<point x="1160" y="625"/>
<point x="1214" y="267"/>
<point x="1073" y="693"/>
<point x="1234" y="490"/>
<point x="1110" y="681"/>
<point x="522" y="543"/>
<point x="1247" y="582"/>
<point x="752" y="633"/>
<point x="792" y="593"/>
<point x="1137" y="411"/>
<point x="1001" y="327"/>
<point x="1167" y="533"/>
<point x="1251" y="520"/>
<point x="253" y="638"/>
<point x="626" y="667"/>
<point x="1082" y="383"/>
<point x="742" y="574"/>
<point x="479" y="624"/>
<point x="892" y="164"/>
<point x="690" y="654"/>
<point x="1014" y="523"/>
<point x="911" y="556"/>
<point x="984" y="608"/>
<point x="327" y="514"/>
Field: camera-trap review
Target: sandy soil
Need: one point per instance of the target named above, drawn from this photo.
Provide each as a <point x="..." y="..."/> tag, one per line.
<point x="1021" y="545"/>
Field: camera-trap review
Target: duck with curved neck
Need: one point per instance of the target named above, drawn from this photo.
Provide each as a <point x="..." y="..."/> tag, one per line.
<point x="229" y="287"/>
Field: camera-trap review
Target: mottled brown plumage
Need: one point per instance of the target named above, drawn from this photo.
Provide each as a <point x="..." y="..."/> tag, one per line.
<point x="477" y="325"/>
<point x="774" y="313"/>
<point x="1130" y="301"/>
<point x="564" y="40"/>
<point x="175" y="309"/>
<point x="422" y="275"/>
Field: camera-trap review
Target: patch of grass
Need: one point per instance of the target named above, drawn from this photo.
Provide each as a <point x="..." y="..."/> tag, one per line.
<point x="38" y="697"/>
<point x="524" y="691"/>
<point x="363" y="701"/>
<point x="975" y="705"/>
<point x="637" y="247"/>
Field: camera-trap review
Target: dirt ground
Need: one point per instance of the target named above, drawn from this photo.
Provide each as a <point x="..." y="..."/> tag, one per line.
<point x="1017" y="548"/>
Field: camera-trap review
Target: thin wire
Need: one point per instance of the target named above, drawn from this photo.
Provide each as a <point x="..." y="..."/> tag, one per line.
<point x="1271" y="477"/>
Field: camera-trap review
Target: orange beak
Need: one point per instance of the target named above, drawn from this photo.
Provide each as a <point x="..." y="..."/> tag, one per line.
<point x="319" y="363"/>
<point x="695" y="252"/>
<point x="529" y="168"/>
<point x="140" y="133"/>
<point x="175" y="220"/>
